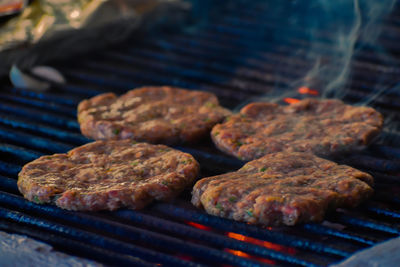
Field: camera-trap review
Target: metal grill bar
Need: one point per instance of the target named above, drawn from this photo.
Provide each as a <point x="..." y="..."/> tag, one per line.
<point x="41" y="116"/>
<point x="211" y="42"/>
<point x="41" y="104"/>
<point x="213" y="69"/>
<point x="367" y="223"/>
<point x="83" y="220"/>
<point x="79" y="86"/>
<point x="84" y="250"/>
<point x="32" y="141"/>
<point x="124" y="57"/>
<point x="89" y="238"/>
<point x="253" y="49"/>
<point x="9" y="169"/>
<point x="381" y="210"/>
<point x="42" y="129"/>
<point x="124" y="231"/>
<point x="182" y="230"/>
<point x="373" y="163"/>
<point x="22" y="153"/>
<point x="318" y="228"/>
<point x="70" y="100"/>
<point x="228" y="225"/>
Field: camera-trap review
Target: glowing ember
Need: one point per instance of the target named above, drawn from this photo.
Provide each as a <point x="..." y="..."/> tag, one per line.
<point x="306" y="90"/>
<point x="238" y="253"/>
<point x="199" y="226"/>
<point x="262" y="243"/>
<point x="245" y="255"/>
<point x="291" y="100"/>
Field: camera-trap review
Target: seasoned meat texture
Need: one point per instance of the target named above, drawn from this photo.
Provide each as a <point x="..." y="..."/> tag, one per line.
<point x="323" y="127"/>
<point x="106" y="175"/>
<point x="153" y="114"/>
<point x="282" y="188"/>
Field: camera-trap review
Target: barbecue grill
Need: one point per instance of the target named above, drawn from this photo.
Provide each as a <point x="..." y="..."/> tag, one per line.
<point x="236" y="57"/>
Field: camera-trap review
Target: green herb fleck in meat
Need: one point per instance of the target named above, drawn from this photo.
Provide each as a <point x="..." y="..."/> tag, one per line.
<point x="134" y="142"/>
<point x="210" y="105"/>
<point x="232" y="199"/>
<point x="134" y="163"/>
<point x="186" y="161"/>
<point x="216" y="133"/>
<point x="263" y="169"/>
<point x="207" y="119"/>
<point x="164" y="182"/>
<point x="37" y="200"/>
<point x="218" y="206"/>
<point x="116" y="131"/>
<point x="238" y="143"/>
<point x="250" y="213"/>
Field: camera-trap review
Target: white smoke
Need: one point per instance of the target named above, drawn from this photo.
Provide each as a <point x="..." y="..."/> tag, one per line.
<point x="347" y="26"/>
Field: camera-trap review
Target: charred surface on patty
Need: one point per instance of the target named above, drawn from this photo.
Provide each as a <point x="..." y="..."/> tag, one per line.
<point x="283" y="188"/>
<point x="323" y="127"/>
<point x="153" y="114"/>
<point x="106" y="175"/>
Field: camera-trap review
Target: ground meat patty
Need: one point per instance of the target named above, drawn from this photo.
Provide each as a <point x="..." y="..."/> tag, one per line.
<point x="282" y="188"/>
<point x="106" y="175"/>
<point x="324" y="127"/>
<point x="153" y="114"/>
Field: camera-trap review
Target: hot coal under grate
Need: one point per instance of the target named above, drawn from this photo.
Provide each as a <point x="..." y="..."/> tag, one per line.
<point x="238" y="57"/>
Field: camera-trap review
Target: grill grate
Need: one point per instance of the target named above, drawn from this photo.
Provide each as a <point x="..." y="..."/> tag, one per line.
<point x="234" y="56"/>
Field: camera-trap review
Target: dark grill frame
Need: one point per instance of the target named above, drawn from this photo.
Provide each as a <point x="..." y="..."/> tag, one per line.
<point x="176" y="234"/>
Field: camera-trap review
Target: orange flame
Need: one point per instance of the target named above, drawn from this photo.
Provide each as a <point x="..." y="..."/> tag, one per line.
<point x="199" y="226"/>
<point x="262" y="243"/>
<point x="291" y="100"/>
<point x="306" y="90"/>
<point x="245" y="255"/>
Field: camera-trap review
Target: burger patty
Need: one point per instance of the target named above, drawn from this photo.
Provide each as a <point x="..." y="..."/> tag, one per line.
<point x="153" y="114"/>
<point x="106" y="175"/>
<point x="323" y="127"/>
<point x="282" y="188"/>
